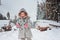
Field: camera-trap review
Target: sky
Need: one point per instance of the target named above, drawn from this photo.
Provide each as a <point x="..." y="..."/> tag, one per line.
<point x="14" y="6"/>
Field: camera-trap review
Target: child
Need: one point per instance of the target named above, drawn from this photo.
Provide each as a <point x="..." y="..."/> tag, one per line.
<point x="24" y="24"/>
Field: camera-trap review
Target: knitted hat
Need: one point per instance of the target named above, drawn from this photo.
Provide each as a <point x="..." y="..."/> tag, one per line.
<point x="23" y="9"/>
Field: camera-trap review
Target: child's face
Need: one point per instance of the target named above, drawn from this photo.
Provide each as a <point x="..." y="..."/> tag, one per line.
<point x="22" y="15"/>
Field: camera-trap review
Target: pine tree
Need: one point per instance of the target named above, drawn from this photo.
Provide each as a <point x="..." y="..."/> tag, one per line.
<point x="4" y="18"/>
<point x="40" y="11"/>
<point x="1" y="16"/>
<point x="0" y="2"/>
<point x="8" y="15"/>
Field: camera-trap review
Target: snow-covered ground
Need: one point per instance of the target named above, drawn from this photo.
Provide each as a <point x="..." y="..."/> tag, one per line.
<point x="4" y="22"/>
<point x="45" y="23"/>
<point x="53" y="34"/>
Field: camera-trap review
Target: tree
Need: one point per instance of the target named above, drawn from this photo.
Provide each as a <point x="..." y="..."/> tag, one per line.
<point x="0" y="2"/>
<point x="1" y="16"/>
<point x="8" y="15"/>
<point x="41" y="11"/>
<point x="4" y="18"/>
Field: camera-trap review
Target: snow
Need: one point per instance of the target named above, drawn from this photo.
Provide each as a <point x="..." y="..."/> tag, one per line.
<point x="37" y="35"/>
<point x="47" y="35"/>
<point x="8" y="35"/>
<point x="45" y="23"/>
<point x="53" y="34"/>
<point x="4" y="22"/>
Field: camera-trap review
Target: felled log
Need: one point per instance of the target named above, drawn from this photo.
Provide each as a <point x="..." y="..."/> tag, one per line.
<point x="43" y="28"/>
<point x="54" y="25"/>
<point x="7" y="28"/>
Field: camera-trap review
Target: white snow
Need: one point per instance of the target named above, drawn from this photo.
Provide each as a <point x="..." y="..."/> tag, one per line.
<point x="53" y="34"/>
<point x="45" y="23"/>
<point x="37" y="35"/>
<point x="4" y="22"/>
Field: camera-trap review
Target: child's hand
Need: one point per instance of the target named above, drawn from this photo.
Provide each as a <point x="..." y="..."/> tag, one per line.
<point x="26" y="25"/>
<point x="17" y="25"/>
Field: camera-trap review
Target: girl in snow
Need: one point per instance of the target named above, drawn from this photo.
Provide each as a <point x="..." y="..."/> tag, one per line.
<point x="24" y="24"/>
